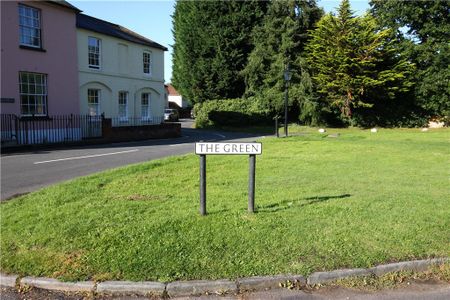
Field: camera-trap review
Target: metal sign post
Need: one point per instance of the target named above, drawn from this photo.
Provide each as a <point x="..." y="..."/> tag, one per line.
<point x="203" y="184"/>
<point x="251" y="182"/>
<point x="250" y="149"/>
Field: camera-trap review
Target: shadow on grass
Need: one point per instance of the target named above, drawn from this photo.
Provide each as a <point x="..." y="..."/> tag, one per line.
<point x="283" y="205"/>
<point x="217" y="212"/>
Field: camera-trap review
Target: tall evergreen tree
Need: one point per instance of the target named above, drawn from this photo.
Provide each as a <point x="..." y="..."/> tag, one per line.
<point x="354" y="63"/>
<point x="280" y="40"/>
<point x="423" y="29"/>
<point x="212" y="43"/>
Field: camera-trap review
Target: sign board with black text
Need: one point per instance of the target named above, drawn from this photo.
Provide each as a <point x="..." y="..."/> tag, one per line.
<point x="203" y="148"/>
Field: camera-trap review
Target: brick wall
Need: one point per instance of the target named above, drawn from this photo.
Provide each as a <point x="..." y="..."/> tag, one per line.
<point x="136" y="133"/>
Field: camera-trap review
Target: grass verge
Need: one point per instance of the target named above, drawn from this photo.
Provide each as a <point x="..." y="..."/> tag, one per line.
<point x="323" y="203"/>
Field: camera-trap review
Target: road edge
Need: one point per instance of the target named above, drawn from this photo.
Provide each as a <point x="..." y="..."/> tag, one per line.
<point x="202" y="287"/>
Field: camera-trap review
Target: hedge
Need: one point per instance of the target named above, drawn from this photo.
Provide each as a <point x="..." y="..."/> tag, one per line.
<point x="231" y="112"/>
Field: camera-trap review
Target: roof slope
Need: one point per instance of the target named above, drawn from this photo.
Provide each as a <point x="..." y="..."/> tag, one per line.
<point x="64" y="4"/>
<point x="111" y="29"/>
<point x="172" y="91"/>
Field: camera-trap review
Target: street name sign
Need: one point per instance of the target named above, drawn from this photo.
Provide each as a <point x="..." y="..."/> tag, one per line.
<point x="228" y="148"/>
<point x="251" y="149"/>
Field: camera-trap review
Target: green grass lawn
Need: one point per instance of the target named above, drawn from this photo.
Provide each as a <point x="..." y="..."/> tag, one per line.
<point x="322" y="203"/>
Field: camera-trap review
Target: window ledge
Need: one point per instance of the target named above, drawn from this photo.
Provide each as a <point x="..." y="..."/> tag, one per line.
<point x="32" y="48"/>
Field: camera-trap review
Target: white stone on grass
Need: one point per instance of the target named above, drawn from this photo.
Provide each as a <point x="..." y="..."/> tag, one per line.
<point x="374" y="130"/>
<point x="436" y="124"/>
<point x="321" y="130"/>
<point x="424" y="129"/>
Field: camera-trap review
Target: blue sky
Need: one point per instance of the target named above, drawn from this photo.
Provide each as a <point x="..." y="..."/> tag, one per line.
<point x="153" y="20"/>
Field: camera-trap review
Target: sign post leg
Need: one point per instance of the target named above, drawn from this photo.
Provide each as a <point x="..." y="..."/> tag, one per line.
<point x="276" y="127"/>
<point x="251" y="183"/>
<point x="202" y="184"/>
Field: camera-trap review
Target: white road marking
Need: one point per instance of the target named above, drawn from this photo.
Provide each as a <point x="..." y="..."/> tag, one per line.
<point x="14" y="155"/>
<point x="221" y="135"/>
<point x="85" y="156"/>
<point x="175" y="145"/>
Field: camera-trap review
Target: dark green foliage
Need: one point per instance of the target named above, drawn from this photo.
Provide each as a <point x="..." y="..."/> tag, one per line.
<point x="354" y="64"/>
<point x="387" y="113"/>
<point x="423" y="30"/>
<point x="280" y="40"/>
<point x="387" y="68"/>
<point x="231" y="112"/>
<point x="212" y="42"/>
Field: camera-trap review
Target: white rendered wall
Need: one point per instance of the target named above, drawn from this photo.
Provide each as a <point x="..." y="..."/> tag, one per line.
<point x="121" y="69"/>
<point x="178" y="100"/>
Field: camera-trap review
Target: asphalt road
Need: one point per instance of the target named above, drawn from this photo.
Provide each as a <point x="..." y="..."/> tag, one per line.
<point x="30" y="171"/>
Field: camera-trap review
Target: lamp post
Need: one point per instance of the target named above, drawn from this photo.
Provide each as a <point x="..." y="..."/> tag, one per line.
<point x="287" y="78"/>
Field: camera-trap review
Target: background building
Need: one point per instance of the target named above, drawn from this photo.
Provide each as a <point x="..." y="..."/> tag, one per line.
<point x="121" y="74"/>
<point x="175" y="98"/>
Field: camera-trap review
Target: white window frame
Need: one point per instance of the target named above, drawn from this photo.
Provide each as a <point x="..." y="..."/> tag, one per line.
<point x="145" y="108"/>
<point x="33" y="92"/>
<point x="147" y="63"/>
<point x="29" y="26"/>
<point x="95" y="51"/>
<point x="93" y="106"/>
<point x="123" y="96"/>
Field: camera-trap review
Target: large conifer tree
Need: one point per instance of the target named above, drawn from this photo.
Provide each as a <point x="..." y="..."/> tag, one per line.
<point x="212" y="43"/>
<point x="353" y="63"/>
<point x="280" y="40"/>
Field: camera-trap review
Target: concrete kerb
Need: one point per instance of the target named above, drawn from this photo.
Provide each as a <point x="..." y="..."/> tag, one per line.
<point x="199" y="287"/>
<point x="144" y="288"/>
<point x="323" y="277"/>
<point x="56" y="285"/>
<point x="261" y="283"/>
<point x="415" y="265"/>
<point x="8" y="280"/>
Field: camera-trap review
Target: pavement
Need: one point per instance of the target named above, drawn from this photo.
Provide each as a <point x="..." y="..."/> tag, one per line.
<point x="29" y="171"/>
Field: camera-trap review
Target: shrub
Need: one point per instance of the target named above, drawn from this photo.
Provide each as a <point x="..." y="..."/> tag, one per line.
<point x="231" y="112"/>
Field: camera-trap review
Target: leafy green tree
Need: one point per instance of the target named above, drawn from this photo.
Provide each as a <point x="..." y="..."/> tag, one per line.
<point x="353" y="63"/>
<point x="423" y="30"/>
<point x="280" y="40"/>
<point x="212" y="43"/>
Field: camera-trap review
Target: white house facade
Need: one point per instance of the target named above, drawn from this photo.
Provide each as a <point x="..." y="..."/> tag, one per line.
<point x="121" y="74"/>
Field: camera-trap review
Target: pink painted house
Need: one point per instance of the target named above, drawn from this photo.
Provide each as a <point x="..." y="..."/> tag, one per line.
<point x="39" y="73"/>
<point x="39" y="69"/>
